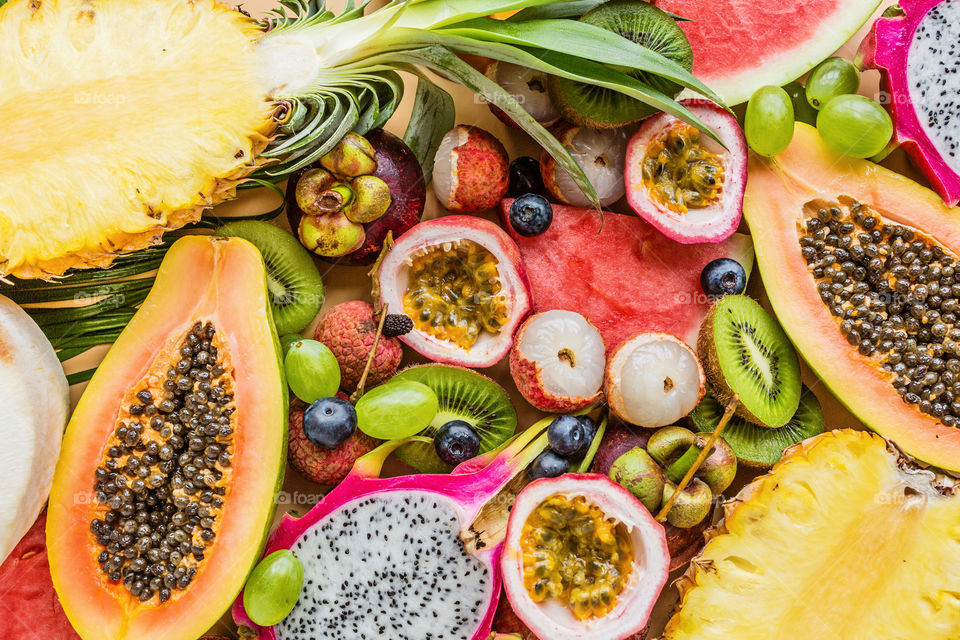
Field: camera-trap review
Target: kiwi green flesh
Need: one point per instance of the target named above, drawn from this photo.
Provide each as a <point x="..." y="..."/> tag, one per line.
<point x="463" y="395"/>
<point x="758" y="446"/>
<point x="596" y="107"/>
<point x="756" y="361"/>
<point x="293" y="280"/>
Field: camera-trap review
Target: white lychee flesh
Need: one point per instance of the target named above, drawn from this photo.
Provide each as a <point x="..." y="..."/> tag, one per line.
<point x="529" y="88"/>
<point x="654" y="379"/>
<point x="568" y="350"/>
<point x="602" y="155"/>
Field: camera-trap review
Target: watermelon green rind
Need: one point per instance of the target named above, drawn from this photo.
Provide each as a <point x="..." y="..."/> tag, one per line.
<point x="622" y="274"/>
<point x="776" y="42"/>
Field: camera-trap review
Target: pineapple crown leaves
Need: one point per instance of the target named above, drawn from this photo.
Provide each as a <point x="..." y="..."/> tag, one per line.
<point x="354" y="85"/>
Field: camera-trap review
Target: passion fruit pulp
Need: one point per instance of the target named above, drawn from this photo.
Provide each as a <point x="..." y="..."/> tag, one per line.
<point x="454" y="292"/>
<point x="679" y="172"/>
<point x="462" y="282"/>
<point x="573" y="552"/>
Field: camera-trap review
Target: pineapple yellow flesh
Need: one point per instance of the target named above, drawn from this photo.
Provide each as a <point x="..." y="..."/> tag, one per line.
<point x="121" y="119"/>
<point x="838" y="541"/>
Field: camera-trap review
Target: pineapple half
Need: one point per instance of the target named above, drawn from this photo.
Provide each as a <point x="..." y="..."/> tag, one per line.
<point x="846" y="538"/>
<point x="123" y="119"/>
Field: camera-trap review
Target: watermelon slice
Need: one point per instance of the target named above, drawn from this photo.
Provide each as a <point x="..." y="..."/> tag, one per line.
<point x="29" y="608"/>
<point x="625" y="277"/>
<point x="772" y="42"/>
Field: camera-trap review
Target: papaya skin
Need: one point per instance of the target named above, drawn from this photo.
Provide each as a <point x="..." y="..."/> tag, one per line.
<point x="777" y="189"/>
<point x="222" y="280"/>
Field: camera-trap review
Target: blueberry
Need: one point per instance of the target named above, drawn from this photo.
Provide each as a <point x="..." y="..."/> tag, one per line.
<point x="530" y="215"/>
<point x="566" y="435"/>
<point x="548" y="465"/>
<point x="590" y="427"/>
<point x="329" y="422"/>
<point x="456" y="441"/>
<point x="722" y="277"/>
<point x="525" y="177"/>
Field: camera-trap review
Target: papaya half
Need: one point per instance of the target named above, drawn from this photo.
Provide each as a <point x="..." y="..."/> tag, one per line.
<point x="860" y="265"/>
<point x="165" y="488"/>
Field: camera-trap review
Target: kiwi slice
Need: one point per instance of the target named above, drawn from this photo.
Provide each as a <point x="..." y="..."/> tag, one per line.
<point x="293" y="280"/>
<point x="745" y="352"/>
<point x="756" y="446"/>
<point x="597" y="108"/>
<point x="463" y="395"/>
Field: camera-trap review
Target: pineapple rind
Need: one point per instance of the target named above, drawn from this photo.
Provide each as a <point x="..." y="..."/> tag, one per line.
<point x="840" y="540"/>
<point x="122" y="119"/>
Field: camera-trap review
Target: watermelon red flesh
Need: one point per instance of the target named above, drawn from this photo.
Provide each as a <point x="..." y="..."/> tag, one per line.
<point x="29" y="608"/>
<point x="626" y="278"/>
<point x="775" y="42"/>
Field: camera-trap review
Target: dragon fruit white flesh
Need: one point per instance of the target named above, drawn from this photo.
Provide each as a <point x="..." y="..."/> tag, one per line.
<point x="916" y="46"/>
<point x="409" y="558"/>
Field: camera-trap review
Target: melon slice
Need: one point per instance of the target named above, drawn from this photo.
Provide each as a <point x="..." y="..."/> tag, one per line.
<point x="776" y="42"/>
<point x="623" y="275"/>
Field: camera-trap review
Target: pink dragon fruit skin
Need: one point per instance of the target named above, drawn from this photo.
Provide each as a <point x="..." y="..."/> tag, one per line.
<point x="886" y="48"/>
<point x="468" y="487"/>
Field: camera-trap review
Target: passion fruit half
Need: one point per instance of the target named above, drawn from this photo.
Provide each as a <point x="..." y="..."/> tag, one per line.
<point x="682" y="181"/>
<point x="583" y="558"/>
<point x="461" y="280"/>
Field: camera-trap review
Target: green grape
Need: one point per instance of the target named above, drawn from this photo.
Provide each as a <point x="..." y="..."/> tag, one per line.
<point x="802" y="111"/>
<point x="768" y="124"/>
<point x="831" y="78"/>
<point x="273" y="587"/>
<point x="396" y="410"/>
<point x="312" y="370"/>
<point x="855" y="126"/>
<point x="288" y="339"/>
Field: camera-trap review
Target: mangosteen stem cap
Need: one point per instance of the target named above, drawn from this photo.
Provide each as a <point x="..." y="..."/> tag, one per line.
<point x="727" y="415"/>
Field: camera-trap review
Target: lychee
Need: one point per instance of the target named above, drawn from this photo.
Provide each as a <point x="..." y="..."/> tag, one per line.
<point x="471" y="170"/>
<point x="557" y="361"/>
<point x="348" y="330"/>
<point x="600" y="155"/>
<point x="316" y="463"/>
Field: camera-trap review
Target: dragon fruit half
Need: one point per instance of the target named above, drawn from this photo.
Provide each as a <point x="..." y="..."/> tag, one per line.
<point x="414" y="557"/>
<point x="915" y="46"/>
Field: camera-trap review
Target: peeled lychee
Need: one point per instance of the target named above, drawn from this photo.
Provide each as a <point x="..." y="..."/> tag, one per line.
<point x="600" y="154"/>
<point x="348" y="330"/>
<point x="471" y="170"/>
<point x="557" y="361"/>
<point x="319" y="464"/>
<point x="653" y="379"/>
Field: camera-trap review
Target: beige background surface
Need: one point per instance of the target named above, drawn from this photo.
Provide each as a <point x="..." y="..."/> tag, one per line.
<point x="348" y="283"/>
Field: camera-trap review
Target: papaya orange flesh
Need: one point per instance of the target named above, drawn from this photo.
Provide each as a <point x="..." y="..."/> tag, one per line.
<point x="886" y="338"/>
<point x="166" y="484"/>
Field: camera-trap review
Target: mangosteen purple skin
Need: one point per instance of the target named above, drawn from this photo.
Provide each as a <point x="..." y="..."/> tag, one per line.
<point x="398" y="167"/>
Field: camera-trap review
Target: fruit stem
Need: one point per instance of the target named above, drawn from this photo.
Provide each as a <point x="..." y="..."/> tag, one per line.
<point x="727" y="415"/>
<point x="678" y="468"/>
<point x="373" y="352"/>
<point x="375" y="271"/>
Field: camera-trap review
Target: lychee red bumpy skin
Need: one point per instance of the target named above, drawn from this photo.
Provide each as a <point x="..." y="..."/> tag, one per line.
<point x="913" y="89"/>
<point x="319" y="464"/>
<point x="472" y="489"/>
<point x="489" y="349"/>
<point x="474" y="174"/>
<point x="715" y="222"/>
<point x="629" y="617"/>
<point x="349" y="330"/>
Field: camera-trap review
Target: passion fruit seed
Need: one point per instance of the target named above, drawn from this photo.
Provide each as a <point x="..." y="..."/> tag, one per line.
<point x="895" y="294"/>
<point x="573" y="552"/>
<point x="679" y="172"/>
<point x="454" y="292"/>
<point x="158" y="493"/>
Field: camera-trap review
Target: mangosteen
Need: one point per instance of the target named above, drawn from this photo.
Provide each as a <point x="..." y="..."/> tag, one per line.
<point x="395" y="166"/>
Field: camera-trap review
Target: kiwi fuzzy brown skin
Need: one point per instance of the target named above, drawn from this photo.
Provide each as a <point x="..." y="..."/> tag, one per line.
<point x="651" y="27"/>
<point x="399" y="168"/>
